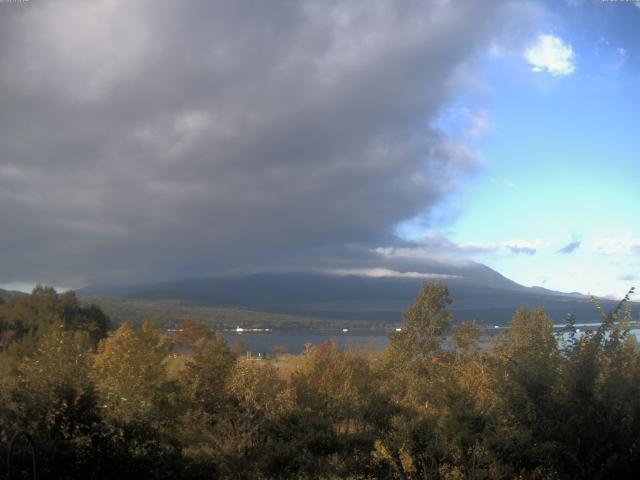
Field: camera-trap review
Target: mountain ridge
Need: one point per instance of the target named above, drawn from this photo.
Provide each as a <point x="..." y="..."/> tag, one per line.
<point x="479" y="293"/>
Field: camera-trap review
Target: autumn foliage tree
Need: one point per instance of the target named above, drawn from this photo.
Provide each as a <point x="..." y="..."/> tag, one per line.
<point x="444" y="401"/>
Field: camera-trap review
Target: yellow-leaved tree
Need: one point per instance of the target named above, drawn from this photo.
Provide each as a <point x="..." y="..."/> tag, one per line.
<point x="138" y="403"/>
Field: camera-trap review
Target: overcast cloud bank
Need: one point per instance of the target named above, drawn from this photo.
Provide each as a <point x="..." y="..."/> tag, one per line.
<point x="155" y="139"/>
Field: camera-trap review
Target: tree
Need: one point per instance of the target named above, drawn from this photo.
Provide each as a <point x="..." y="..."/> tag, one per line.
<point x="49" y="393"/>
<point x="207" y="374"/>
<point x="526" y="376"/>
<point x="192" y="335"/>
<point x="89" y="318"/>
<point x="335" y="411"/>
<point x="242" y="435"/>
<point x="425" y="322"/>
<point x="139" y="405"/>
<point x="130" y="376"/>
<point x="207" y="402"/>
<point x="25" y="314"/>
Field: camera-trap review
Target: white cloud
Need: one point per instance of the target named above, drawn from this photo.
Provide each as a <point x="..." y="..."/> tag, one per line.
<point x="386" y="272"/>
<point x="626" y="245"/>
<point x="439" y="247"/>
<point x="435" y="247"/>
<point x="550" y="53"/>
<point x="523" y="246"/>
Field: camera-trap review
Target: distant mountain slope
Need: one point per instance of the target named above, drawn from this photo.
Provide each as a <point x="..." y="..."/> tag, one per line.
<point x="479" y="293"/>
<point x="266" y="285"/>
<point x="5" y="295"/>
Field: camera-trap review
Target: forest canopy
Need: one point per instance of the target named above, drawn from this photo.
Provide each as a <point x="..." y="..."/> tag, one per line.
<point x="443" y="401"/>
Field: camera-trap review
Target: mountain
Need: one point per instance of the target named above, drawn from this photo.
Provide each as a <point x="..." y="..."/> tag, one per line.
<point x="478" y="292"/>
<point x="6" y="295"/>
<point x="266" y="285"/>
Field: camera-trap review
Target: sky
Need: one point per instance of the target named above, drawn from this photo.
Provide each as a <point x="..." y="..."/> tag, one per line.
<point x="158" y="140"/>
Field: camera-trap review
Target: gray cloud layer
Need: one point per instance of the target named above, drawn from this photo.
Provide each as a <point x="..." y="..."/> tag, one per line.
<point x="161" y="138"/>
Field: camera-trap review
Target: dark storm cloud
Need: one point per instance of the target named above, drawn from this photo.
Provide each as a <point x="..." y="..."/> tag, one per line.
<point x="570" y="247"/>
<point x="156" y="138"/>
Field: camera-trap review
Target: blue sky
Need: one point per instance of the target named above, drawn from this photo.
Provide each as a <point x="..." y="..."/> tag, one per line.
<point x="561" y="155"/>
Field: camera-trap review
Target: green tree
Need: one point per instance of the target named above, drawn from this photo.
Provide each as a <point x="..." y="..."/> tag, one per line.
<point x="24" y="314"/>
<point x="86" y="318"/>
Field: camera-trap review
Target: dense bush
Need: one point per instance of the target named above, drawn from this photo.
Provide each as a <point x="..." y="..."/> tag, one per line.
<point x="441" y="402"/>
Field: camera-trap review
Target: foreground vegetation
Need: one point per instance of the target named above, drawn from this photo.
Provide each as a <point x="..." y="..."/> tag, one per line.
<point x="435" y="404"/>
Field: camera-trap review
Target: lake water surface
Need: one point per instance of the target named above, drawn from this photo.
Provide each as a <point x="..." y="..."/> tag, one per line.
<point x="293" y="340"/>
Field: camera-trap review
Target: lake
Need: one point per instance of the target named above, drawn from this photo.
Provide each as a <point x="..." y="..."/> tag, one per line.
<point x="293" y="340"/>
